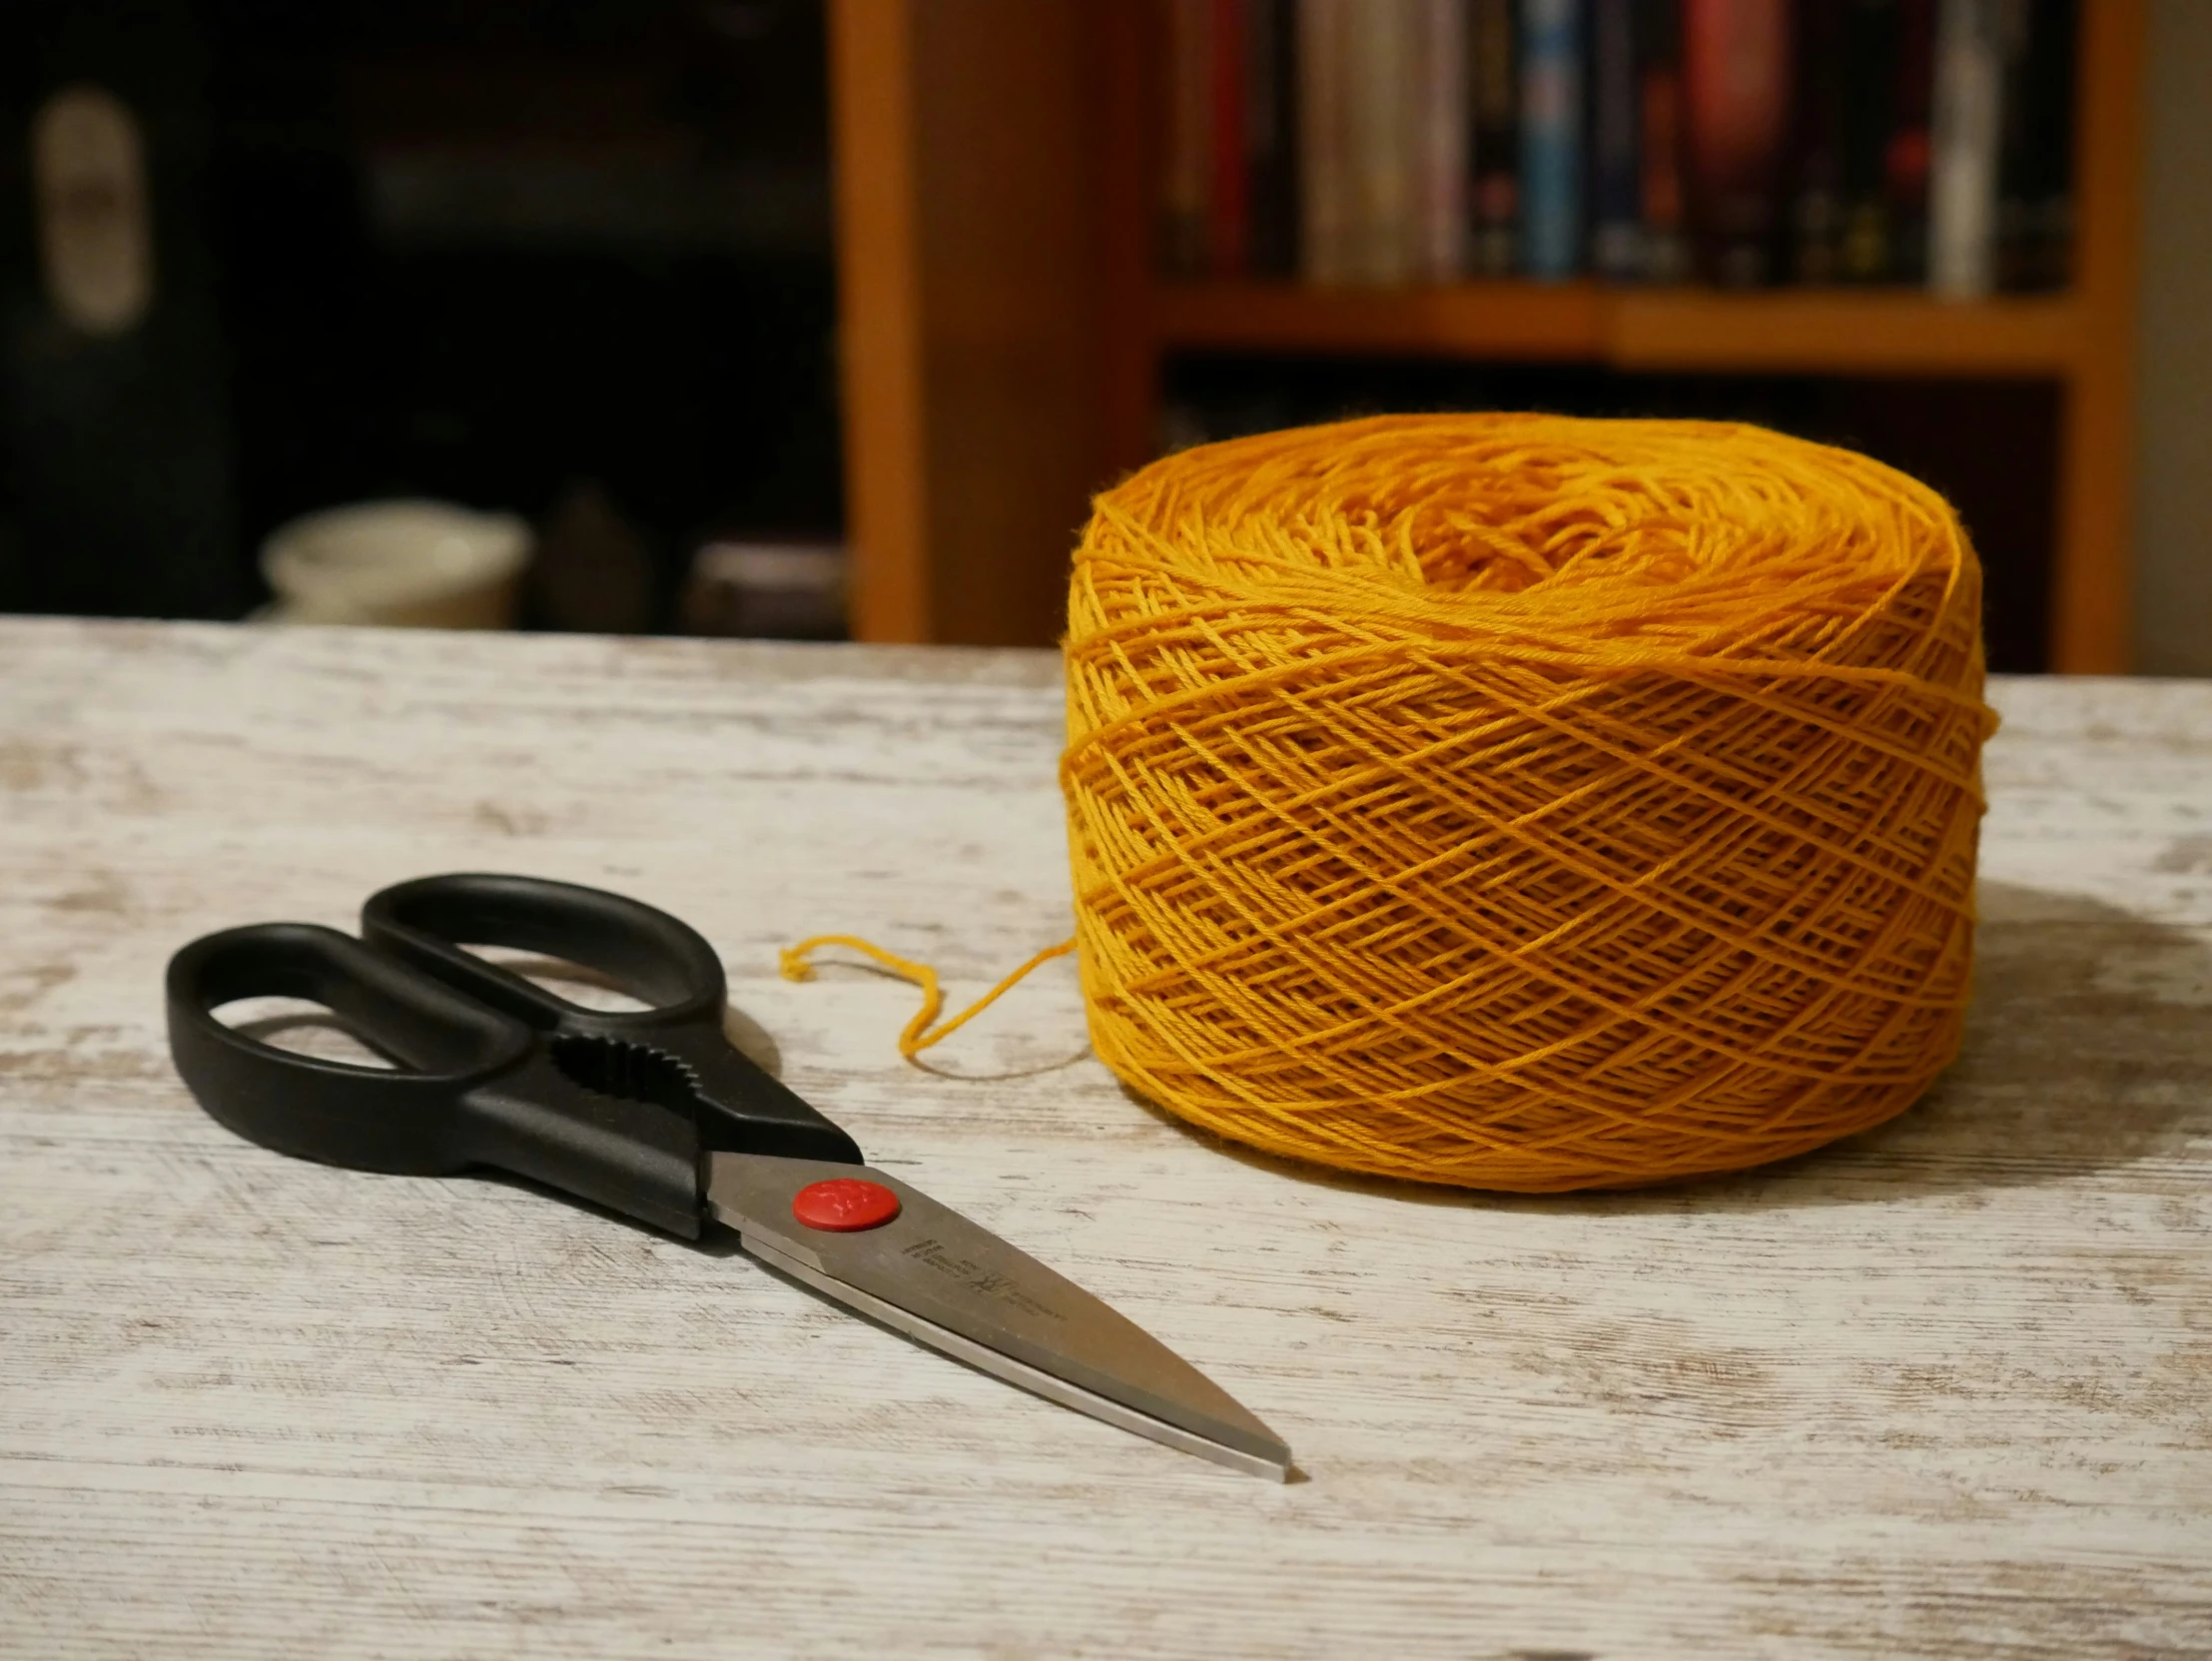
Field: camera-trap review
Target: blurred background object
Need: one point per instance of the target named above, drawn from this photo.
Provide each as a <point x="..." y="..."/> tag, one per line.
<point x="397" y="565"/>
<point x="588" y="262"/>
<point x="783" y="590"/>
<point x="89" y="205"/>
<point x="594" y="571"/>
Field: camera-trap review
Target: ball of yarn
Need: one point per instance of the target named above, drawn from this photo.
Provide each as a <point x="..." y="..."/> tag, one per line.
<point x="1525" y="802"/>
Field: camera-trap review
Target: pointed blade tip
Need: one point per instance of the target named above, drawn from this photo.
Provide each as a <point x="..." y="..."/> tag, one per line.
<point x="1270" y="1461"/>
<point x="1142" y="1386"/>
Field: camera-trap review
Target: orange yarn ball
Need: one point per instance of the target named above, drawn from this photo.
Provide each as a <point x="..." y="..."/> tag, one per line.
<point x="1523" y="802"/>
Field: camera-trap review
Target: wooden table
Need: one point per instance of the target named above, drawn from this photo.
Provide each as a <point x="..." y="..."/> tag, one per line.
<point x="1946" y="1391"/>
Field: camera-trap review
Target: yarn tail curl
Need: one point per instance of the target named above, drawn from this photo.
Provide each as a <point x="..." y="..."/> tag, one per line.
<point x="796" y="963"/>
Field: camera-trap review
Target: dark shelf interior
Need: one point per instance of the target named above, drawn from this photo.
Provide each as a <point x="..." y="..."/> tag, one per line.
<point x="498" y="254"/>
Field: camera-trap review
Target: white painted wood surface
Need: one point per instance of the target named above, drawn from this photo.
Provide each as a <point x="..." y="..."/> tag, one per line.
<point x="1943" y="1392"/>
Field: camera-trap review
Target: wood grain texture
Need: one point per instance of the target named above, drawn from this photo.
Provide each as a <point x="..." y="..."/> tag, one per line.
<point x="1946" y="1391"/>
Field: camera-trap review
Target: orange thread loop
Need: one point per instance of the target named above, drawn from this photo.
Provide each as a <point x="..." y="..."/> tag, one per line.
<point x="795" y="962"/>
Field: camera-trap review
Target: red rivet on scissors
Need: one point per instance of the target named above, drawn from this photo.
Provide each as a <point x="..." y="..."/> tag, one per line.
<point x="844" y="1205"/>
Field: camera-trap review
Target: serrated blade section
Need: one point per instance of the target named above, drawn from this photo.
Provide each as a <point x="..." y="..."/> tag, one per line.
<point x="955" y="1285"/>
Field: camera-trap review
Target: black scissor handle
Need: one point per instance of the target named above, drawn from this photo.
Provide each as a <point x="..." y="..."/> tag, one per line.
<point x="618" y="1107"/>
<point x="654" y="956"/>
<point x="473" y="1086"/>
<point x="404" y="1119"/>
<point x="736" y="1107"/>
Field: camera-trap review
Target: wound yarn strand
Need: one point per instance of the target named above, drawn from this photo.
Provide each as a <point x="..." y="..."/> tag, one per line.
<point x="1523" y="802"/>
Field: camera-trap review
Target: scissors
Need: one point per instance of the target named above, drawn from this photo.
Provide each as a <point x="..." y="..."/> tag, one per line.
<point x="652" y="1113"/>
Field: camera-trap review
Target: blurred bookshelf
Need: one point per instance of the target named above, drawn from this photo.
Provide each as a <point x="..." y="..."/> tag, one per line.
<point x="1012" y="343"/>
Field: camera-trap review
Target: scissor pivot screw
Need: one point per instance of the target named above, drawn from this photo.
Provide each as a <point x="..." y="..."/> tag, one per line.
<point x="844" y="1205"/>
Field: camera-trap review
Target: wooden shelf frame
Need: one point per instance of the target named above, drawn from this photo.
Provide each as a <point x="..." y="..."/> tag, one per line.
<point x="1875" y="332"/>
<point x="1003" y="328"/>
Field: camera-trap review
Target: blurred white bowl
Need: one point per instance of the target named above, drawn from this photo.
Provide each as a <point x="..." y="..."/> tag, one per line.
<point x="397" y="564"/>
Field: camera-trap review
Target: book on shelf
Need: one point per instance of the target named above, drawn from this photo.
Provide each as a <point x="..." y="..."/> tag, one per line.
<point x="1324" y="27"/>
<point x="1494" y="134"/>
<point x="1662" y="209"/>
<point x="1551" y="137"/>
<point x="1736" y="73"/>
<point x="1270" y="137"/>
<point x="1637" y="232"/>
<point x="1870" y="39"/>
<point x="1440" y="203"/>
<point x="1387" y="143"/>
<point x="1188" y="137"/>
<point x="1228" y="171"/>
<point x="1962" y="165"/>
<point x="2035" y="146"/>
<point x="1817" y="183"/>
<point x="1379" y="112"/>
<point x="1905" y="157"/>
<point x="1616" y="184"/>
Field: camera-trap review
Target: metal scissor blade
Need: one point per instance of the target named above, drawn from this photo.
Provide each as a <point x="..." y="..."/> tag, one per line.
<point x="955" y="1285"/>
